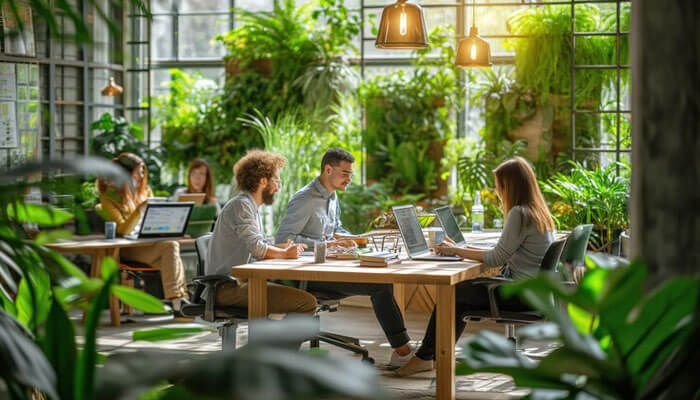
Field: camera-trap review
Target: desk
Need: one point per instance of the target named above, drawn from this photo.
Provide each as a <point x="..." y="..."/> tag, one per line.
<point x="98" y="248"/>
<point x="444" y="275"/>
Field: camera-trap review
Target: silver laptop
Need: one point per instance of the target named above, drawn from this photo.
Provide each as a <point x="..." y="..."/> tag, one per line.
<point x="412" y="234"/>
<point x="163" y="220"/>
<point x="449" y="225"/>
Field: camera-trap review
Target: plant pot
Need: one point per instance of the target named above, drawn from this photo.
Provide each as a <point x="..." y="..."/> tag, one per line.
<point x="262" y="66"/>
<point x="537" y="132"/>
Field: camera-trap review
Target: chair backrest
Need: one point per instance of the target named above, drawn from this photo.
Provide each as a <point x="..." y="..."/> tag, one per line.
<point x="201" y="246"/>
<point x="551" y="257"/>
<point x="576" y="244"/>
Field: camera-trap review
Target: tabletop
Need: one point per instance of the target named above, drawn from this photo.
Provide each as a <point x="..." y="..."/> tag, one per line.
<point x="408" y="271"/>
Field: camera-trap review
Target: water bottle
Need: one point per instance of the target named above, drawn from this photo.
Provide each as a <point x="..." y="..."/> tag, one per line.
<point x="477" y="214"/>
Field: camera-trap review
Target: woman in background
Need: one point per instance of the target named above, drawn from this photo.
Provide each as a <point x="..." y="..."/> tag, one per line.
<point x="526" y="236"/>
<point x="199" y="180"/>
<point x="125" y="205"/>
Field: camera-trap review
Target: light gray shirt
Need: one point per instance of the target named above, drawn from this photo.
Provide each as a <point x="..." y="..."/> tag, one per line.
<point x="521" y="246"/>
<point x="238" y="237"/>
<point x="312" y="215"/>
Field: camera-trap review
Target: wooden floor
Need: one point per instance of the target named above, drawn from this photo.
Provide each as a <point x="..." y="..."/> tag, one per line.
<point x="364" y="326"/>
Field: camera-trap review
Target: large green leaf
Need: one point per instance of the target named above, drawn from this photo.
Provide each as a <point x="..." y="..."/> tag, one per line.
<point x="59" y="346"/>
<point x="21" y="360"/>
<point x="76" y="294"/>
<point x="33" y="300"/>
<point x="261" y="370"/>
<point x="45" y="237"/>
<point x="139" y="299"/>
<point x="43" y="215"/>
<point x="85" y="372"/>
<point x="159" y="334"/>
<point x="656" y="325"/>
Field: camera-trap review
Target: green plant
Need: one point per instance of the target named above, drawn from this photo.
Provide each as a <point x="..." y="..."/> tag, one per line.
<point x="506" y="104"/>
<point x="617" y="341"/>
<point x="361" y="204"/>
<point x="117" y="135"/>
<point x="39" y="346"/>
<point x="291" y="136"/>
<point x="597" y="197"/>
<point x="408" y="117"/>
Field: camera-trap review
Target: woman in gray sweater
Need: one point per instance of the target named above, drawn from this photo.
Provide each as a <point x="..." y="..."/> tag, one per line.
<point x="527" y="234"/>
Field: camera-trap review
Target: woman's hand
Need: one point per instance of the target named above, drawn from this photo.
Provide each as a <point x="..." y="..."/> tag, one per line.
<point x="446" y="248"/>
<point x="293" y="249"/>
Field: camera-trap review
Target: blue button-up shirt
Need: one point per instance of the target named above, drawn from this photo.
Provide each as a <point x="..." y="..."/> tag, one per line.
<point x="312" y="215"/>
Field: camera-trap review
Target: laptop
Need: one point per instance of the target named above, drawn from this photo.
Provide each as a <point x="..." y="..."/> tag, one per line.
<point x="449" y="225"/>
<point x="163" y="220"/>
<point x="412" y="234"/>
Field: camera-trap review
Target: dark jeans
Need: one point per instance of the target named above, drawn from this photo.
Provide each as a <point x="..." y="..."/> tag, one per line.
<point x="382" y="295"/>
<point x="468" y="298"/>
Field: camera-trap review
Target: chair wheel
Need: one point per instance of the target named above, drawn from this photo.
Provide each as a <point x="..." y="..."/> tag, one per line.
<point x="368" y="360"/>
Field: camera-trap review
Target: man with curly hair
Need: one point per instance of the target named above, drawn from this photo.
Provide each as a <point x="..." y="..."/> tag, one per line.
<point x="239" y="237"/>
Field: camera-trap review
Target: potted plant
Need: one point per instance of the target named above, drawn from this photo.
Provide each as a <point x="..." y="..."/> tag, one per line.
<point x="543" y="65"/>
<point x="407" y="121"/>
<point x="597" y="197"/>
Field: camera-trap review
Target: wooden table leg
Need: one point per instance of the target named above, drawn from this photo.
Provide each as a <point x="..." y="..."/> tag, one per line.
<point x="400" y="296"/>
<point x="95" y="269"/>
<point x="114" y="311"/>
<point x="445" y="344"/>
<point x="257" y="298"/>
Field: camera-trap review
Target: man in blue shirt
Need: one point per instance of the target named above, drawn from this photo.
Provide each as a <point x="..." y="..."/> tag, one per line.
<point x="313" y="214"/>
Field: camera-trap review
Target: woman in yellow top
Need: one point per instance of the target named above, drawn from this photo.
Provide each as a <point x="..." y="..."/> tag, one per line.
<point x="125" y="206"/>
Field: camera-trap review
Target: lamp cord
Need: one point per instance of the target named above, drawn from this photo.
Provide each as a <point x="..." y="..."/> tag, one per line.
<point x="473" y="12"/>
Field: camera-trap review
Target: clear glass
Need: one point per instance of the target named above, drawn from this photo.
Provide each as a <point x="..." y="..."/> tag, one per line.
<point x="196" y="36"/>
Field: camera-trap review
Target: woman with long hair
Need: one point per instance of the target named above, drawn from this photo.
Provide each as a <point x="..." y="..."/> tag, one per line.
<point x="527" y="234"/>
<point x="125" y="206"/>
<point x="199" y="180"/>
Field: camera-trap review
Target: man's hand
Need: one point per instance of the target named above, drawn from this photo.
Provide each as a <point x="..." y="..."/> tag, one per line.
<point x="292" y="250"/>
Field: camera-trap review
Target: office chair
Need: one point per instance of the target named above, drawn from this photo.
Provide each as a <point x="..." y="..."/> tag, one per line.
<point x="226" y="317"/>
<point x="327" y="302"/>
<point x="511" y="318"/>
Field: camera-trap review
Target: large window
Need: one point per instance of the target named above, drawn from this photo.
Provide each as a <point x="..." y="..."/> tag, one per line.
<point x="182" y="32"/>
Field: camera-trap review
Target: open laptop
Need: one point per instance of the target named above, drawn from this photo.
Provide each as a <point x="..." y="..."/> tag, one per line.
<point x="449" y="225"/>
<point x="412" y="234"/>
<point x="197" y="198"/>
<point x="163" y="220"/>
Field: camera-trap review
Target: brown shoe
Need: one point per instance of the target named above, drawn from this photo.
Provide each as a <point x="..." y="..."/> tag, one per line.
<point x="414" y="366"/>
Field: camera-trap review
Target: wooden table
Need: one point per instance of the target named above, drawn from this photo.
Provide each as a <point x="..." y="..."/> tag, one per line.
<point x="98" y="248"/>
<point x="444" y="275"/>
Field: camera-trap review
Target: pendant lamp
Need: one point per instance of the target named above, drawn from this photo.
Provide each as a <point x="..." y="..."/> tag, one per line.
<point x="402" y="26"/>
<point x="112" y="89"/>
<point x="473" y="51"/>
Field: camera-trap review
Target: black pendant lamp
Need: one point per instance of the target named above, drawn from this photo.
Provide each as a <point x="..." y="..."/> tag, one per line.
<point x="473" y="51"/>
<point x="402" y="27"/>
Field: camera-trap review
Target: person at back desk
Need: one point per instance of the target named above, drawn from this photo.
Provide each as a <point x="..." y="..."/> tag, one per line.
<point x="313" y="214"/>
<point x="239" y="237"/>
<point x="199" y="180"/>
<point x="125" y="205"/>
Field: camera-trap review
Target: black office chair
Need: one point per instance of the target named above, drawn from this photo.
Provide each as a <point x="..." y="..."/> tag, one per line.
<point x="511" y="318"/>
<point x="228" y="318"/>
<point x="327" y="302"/>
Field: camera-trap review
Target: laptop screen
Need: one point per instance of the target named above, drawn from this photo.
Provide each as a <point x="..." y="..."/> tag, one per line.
<point x="449" y="224"/>
<point x="165" y="219"/>
<point x="407" y="220"/>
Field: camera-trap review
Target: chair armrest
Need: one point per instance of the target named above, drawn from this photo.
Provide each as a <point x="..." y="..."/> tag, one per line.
<point x="214" y="279"/>
<point x="493" y="281"/>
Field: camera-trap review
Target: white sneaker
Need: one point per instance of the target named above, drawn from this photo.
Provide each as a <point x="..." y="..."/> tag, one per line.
<point x="398" y="361"/>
